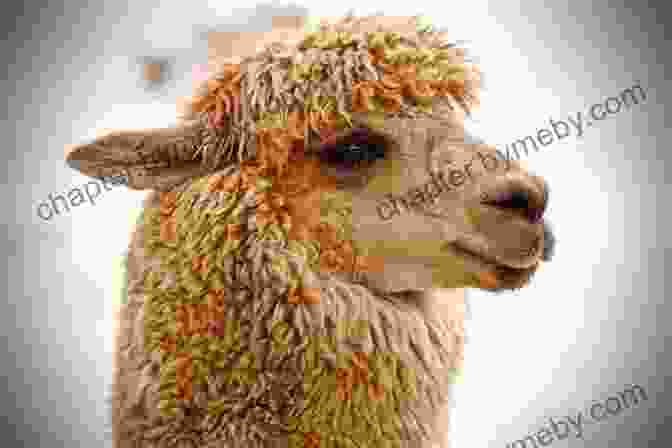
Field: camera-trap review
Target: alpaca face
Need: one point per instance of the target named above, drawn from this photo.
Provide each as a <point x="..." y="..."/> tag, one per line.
<point x="422" y="207"/>
<point x="430" y="210"/>
<point x="483" y="230"/>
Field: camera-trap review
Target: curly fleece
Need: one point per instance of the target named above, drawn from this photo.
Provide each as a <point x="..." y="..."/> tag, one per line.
<point x="240" y="332"/>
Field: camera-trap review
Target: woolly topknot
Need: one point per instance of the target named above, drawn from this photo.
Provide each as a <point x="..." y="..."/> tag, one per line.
<point x="270" y="105"/>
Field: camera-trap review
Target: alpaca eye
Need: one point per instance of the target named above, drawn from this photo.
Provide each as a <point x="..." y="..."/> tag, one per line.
<point x="359" y="149"/>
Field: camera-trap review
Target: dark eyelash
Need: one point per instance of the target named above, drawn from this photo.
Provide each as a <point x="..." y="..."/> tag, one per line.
<point x="359" y="147"/>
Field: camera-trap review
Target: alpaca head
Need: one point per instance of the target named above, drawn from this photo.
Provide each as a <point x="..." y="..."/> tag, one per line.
<point x="312" y="178"/>
<point x="351" y="137"/>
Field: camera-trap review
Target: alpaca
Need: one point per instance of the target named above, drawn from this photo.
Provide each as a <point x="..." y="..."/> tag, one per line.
<point x="268" y="304"/>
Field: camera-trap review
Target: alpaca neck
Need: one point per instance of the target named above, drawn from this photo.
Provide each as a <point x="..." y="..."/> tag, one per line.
<point x="445" y="305"/>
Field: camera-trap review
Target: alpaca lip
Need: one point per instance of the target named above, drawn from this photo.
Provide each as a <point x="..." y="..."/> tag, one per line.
<point x="489" y="261"/>
<point x="507" y="277"/>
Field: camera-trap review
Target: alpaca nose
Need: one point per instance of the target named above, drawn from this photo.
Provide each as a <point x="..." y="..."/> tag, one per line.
<point x="522" y="200"/>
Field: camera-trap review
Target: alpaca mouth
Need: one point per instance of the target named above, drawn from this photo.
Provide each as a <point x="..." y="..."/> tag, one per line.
<point x="514" y="237"/>
<point x="502" y="276"/>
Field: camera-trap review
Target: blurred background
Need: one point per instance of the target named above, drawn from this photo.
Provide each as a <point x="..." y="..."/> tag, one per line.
<point x="593" y="323"/>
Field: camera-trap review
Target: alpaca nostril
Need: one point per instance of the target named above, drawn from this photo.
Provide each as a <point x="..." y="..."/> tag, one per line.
<point x="521" y="202"/>
<point x="535" y="215"/>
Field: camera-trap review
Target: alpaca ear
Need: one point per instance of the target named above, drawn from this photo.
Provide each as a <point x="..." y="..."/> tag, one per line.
<point x="145" y="159"/>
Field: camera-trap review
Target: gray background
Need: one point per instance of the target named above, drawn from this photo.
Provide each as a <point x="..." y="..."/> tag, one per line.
<point x="594" y="321"/>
